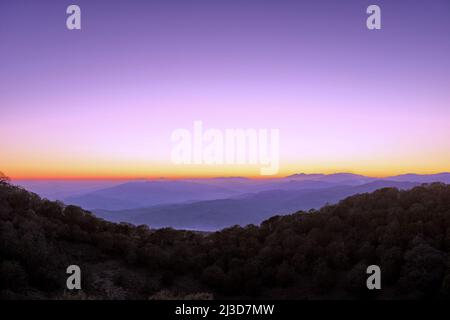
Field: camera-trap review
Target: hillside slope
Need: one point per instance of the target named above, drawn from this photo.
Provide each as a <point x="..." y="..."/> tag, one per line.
<point x="316" y="255"/>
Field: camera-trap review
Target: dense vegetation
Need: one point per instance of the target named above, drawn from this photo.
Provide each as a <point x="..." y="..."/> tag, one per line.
<point x="314" y="255"/>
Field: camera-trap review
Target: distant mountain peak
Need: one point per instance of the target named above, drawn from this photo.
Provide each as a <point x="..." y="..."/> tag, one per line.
<point x="231" y="178"/>
<point x="306" y="175"/>
<point x="312" y="176"/>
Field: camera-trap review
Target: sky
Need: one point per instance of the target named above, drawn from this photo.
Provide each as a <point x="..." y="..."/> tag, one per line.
<point x="102" y="102"/>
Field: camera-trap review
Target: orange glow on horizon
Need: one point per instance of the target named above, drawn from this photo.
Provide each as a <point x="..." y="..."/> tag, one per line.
<point x="195" y="174"/>
<point x="128" y="169"/>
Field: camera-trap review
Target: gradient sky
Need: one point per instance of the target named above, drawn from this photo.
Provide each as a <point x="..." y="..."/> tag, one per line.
<point x="103" y="101"/>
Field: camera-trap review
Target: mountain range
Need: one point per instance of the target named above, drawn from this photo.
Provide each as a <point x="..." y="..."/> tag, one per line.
<point x="215" y="203"/>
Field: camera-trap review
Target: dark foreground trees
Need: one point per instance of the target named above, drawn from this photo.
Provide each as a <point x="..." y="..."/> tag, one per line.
<point x="320" y="254"/>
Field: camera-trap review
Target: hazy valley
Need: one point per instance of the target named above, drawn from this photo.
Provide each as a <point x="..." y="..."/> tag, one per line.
<point x="216" y="203"/>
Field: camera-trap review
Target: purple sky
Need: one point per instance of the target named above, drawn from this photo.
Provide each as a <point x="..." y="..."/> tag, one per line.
<point x="103" y="101"/>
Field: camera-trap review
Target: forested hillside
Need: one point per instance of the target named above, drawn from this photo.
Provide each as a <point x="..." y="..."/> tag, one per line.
<point x="307" y="255"/>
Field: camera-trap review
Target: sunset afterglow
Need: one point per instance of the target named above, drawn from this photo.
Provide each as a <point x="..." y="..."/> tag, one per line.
<point x="103" y="102"/>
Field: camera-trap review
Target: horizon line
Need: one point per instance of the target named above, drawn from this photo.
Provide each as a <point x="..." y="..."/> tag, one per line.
<point x="185" y="177"/>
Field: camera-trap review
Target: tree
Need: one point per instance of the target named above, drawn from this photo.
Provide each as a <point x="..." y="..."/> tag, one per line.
<point x="214" y="276"/>
<point x="12" y="274"/>
<point x="3" y="178"/>
<point x="424" y="268"/>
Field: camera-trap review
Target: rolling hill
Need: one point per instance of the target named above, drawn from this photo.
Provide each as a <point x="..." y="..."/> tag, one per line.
<point x="242" y="210"/>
